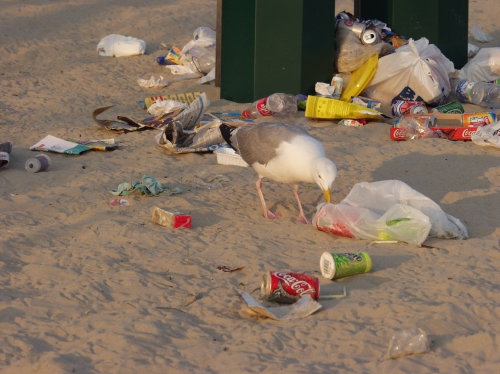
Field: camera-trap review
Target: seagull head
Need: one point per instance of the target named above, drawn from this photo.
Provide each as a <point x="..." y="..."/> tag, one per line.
<point x="324" y="174"/>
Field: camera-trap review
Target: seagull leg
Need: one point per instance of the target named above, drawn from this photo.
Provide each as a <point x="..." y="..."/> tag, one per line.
<point x="302" y="217"/>
<point x="266" y="211"/>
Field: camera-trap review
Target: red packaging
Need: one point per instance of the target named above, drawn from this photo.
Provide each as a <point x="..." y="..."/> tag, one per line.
<point x="287" y="288"/>
<point x="171" y="219"/>
<point x="453" y="133"/>
<point x="401" y="107"/>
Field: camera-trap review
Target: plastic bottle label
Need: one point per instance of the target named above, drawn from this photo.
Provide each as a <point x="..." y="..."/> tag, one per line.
<point x="464" y="91"/>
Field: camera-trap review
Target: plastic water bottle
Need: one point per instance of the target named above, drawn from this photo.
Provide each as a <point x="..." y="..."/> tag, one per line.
<point x="278" y="104"/>
<point x="479" y="93"/>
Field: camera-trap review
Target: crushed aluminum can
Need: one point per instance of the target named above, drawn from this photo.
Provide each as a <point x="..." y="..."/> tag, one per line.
<point x="287" y="288"/>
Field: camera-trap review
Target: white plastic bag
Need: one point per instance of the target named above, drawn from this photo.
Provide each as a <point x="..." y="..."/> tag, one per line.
<point x="407" y="342"/>
<point x="203" y="37"/>
<point x="479" y="35"/>
<point x="388" y="210"/>
<point x="417" y="71"/>
<point x="119" y="46"/>
<point x="484" y="67"/>
<point x="488" y="135"/>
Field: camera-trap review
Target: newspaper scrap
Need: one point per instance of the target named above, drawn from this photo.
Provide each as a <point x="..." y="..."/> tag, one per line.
<point x="97" y="145"/>
<point x="122" y="124"/>
<point x="230" y="118"/>
<point x="302" y="308"/>
<point x="52" y="144"/>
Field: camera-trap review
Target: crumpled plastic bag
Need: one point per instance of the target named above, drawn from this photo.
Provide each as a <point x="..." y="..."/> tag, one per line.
<point x="479" y="35"/>
<point x="152" y="82"/>
<point x="119" y="46"/>
<point x="417" y="71"/>
<point x="203" y="37"/>
<point x="484" y="67"/>
<point x="165" y="106"/>
<point x="407" y="342"/>
<point x="472" y="50"/>
<point x="488" y="135"/>
<point x="388" y="210"/>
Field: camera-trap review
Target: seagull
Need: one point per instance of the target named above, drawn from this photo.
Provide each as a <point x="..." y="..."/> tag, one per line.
<point x="284" y="153"/>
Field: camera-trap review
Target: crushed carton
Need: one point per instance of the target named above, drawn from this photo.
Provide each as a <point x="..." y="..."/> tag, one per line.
<point x="171" y="219"/>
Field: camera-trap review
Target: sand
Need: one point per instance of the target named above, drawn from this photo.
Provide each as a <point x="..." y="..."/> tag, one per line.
<point x="91" y="288"/>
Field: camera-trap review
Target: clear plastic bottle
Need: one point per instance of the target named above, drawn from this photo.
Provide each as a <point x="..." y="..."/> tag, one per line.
<point x="479" y="93"/>
<point x="277" y="104"/>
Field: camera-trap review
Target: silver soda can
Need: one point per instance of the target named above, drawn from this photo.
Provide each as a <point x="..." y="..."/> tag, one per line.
<point x="40" y="162"/>
<point x="356" y="27"/>
<point x="369" y="37"/>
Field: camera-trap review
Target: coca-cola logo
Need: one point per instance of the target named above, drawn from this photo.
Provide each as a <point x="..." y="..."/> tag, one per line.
<point x="398" y="134"/>
<point x="468" y="132"/>
<point x="300" y="287"/>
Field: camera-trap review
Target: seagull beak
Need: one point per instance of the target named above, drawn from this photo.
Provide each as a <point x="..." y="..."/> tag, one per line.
<point x="327" y="194"/>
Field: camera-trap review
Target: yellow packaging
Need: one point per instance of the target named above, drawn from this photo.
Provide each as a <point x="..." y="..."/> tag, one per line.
<point x="326" y="108"/>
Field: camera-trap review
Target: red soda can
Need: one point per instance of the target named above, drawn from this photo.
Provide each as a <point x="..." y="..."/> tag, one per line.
<point x="401" y="107"/>
<point x="287" y="288"/>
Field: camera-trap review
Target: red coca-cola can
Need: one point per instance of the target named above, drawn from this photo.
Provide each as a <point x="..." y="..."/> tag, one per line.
<point x="401" y="107"/>
<point x="287" y="288"/>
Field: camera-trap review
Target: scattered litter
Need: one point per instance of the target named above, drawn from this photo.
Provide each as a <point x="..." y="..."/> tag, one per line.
<point x="227" y="269"/>
<point x="173" y="220"/>
<point x="147" y="186"/>
<point x="38" y="163"/>
<point x="118" y="202"/>
<point x="286" y="288"/>
<point x="407" y="342"/>
<point x="185" y="98"/>
<point x="97" y="145"/>
<point x="119" y="45"/>
<point x="5" y="151"/>
<point x="52" y="144"/>
<point x="488" y="135"/>
<point x="388" y="210"/>
<point x="227" y="156"/>
<point x="484" y="67"/>
<point x="302" y="308"/>
<point x="479" y="35"/>
<point x="152" y="82"/>
<point x="166" y="107"/>
<point x="122" y="124"/>
<point x="339" y="265"/>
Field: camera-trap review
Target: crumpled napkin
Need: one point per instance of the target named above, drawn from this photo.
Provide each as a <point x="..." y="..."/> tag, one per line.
<point x="148" y="186"/>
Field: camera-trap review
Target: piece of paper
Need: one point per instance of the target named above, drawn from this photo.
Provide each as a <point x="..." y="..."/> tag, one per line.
<point x="302" y="308"/>
<point x="52" y="144"/>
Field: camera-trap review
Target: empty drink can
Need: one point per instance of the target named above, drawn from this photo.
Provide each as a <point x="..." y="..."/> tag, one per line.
<point x="450" y="108"/>
<point x="287" y="288"/>
<point x="356" y="27"/>
<point x="369" y="37"/>
<point x="401" y="107"/>
<point x="40" y="162"/>
<point x="338" y="265"/>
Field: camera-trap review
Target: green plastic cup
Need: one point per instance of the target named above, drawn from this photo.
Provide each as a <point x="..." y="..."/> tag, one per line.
<point x="339" y="265"/>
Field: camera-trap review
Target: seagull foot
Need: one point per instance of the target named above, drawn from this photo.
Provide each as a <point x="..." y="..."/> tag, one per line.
<point x="271" y="215"/>
<point x="304" y="220"/>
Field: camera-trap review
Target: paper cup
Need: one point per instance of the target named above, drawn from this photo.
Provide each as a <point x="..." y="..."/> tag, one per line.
<point x="40" y="162"/>
<point x="339" y="265"/>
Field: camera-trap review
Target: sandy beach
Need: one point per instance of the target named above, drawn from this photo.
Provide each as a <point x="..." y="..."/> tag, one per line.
<point x="91" y="288"/>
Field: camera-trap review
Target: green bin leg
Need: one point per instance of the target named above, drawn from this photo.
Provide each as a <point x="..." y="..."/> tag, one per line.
<point x="443" y="22"/>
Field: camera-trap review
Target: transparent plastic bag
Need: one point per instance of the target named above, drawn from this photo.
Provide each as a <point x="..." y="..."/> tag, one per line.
<point x="351" y="53"/>
<point x="411" y="128"/>
<point x="479" y="35"/>
<point x="388" y="210"/>
<point x="407" y="342"/>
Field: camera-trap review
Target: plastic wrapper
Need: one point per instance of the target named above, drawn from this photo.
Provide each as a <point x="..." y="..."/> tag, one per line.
<point x="152" y="82"/>
<point x="488" y="135"/>
<point x="165" y="106"/>
<point x="407" y="342"/>
<point x="484" y="67"/>
<point x="351" y="53"/>
<point x="412" y="129"/>
<point x="326" y="108"/>
<point x="388" y="210"/>
<point x="479" y="35"/>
